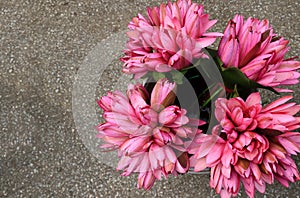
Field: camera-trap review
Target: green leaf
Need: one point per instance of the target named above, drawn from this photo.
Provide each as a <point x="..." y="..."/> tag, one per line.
<point x="214" y="54"/>
<point x="158" y="75"/>
<point x="264" y="87"/>
<point x="232" y="77"/>
<point x="177" y="77"/>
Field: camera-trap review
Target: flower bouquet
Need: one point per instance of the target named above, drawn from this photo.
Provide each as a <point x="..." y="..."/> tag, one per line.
<point x="200" y="108"/>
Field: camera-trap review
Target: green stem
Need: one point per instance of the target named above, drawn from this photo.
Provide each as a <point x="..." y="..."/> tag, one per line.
<point x="207" y="89"/>
<point x="210" y="98"/>
<point x="194" y="77"/>
<point x="194" y="65"/>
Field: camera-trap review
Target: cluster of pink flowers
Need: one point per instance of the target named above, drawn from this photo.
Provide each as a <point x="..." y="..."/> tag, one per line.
<point x="171" y="37"/>
<point x="258" y="52"/>
<point x="149" y="132"/>
<point x="251" y="144"/>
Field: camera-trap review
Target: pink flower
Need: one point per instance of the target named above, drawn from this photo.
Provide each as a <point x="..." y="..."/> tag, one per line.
<point x="163" y="94"/>
<point x="171" y="37"/>
<point x="212" y="151"/>
<point x="252" y="47"/>
<point x="116" y="102"/>
<point x="237" y="114"/>
<point x="252" y="145"/>
<point x="173" y="116"/>
<point x="226" y="186"/>
<point x="150" y="132"/>
<point x="112" y="135"/>
<point x="152" y="165"/>
<point x="278" y="162"/>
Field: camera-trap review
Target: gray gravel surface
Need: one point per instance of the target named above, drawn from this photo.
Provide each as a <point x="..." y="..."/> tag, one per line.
<point x="47" y="146"/>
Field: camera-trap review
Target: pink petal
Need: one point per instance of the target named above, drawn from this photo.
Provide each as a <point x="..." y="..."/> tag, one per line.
<point x="253" y="99"/>
<point x="277" y="103"/>
<point x="200" y="165"/>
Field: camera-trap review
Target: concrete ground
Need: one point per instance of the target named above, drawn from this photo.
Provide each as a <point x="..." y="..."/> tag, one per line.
<point x="47" y="137"/>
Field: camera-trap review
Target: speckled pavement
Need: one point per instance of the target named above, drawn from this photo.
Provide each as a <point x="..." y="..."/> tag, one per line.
<point x="43" y="47"/>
